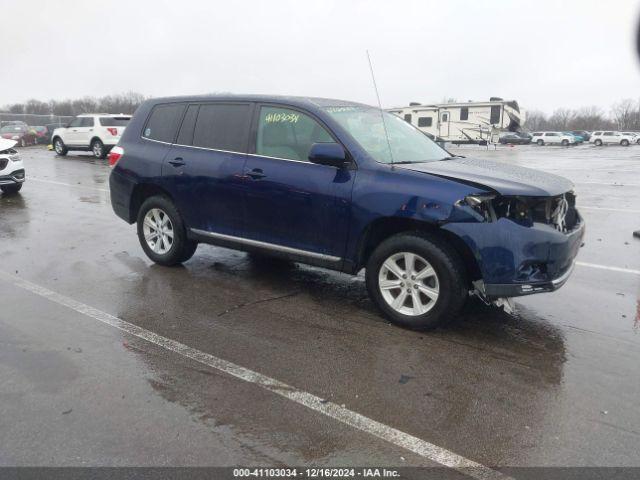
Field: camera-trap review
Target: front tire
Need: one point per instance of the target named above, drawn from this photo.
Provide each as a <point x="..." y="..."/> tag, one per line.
<point x="540" y="142"/>
<point x="624" y="143"/>
<point x="162" y="233"/>
<point x="416" y="280"/>
<point x="97" y="147"/>
<point x="59" y="147"/>
<point x="565" y="142"/>
<point x="11" y="189"/>
<point x="598" y="143"/>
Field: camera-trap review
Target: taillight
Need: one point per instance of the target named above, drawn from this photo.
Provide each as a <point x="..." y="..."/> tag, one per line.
<point x="114" y="155"/>
<point x="113" y="131"/>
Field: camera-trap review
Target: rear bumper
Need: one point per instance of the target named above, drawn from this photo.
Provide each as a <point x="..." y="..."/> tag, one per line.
<point x="121" y="191"/>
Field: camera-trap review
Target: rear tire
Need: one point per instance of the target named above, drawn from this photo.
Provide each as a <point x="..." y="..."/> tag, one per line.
<point x="11" y="189"/>
<point x="540" y="142"/>
<point x="162" y="233"/>
<point x="435" y="297"/>
<point x="598" y="143"/>
<point x="59" y="147"/>
<point x="624" y="143"/>
<point x="97" y="147"/>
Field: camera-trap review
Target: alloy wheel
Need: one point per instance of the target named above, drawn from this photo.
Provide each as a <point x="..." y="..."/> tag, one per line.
<point x="158" y="231"/>
<point x="408" y="283"/>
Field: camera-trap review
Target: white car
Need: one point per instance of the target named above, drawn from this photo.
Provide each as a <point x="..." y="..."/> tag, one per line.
<point x="635" y="135"/>
<point x="11" y="167"/>
<point x="611" y="138"/>
<point x="553" y="138"/>
<point x="96" y="132"/>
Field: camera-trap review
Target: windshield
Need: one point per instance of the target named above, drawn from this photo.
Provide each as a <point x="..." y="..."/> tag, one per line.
<point x="408" y="144"/>
<point x="12" y="128"/>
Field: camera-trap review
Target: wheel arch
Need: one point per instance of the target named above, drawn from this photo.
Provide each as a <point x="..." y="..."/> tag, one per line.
<point x="94" y="138"/>
<point x="140" y="193"/>
<point x="383" y="228"/>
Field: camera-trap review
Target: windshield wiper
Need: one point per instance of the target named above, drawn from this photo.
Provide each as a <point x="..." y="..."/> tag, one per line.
<point x="452" y="157"/>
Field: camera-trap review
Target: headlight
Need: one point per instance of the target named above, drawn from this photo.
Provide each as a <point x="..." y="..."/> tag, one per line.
<point x="481" y="205"/>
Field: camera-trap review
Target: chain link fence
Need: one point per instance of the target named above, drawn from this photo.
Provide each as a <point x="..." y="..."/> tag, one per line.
<point x="33" y="119"/>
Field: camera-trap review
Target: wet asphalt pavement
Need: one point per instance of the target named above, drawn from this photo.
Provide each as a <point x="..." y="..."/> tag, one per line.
<point x="557" y="383"/>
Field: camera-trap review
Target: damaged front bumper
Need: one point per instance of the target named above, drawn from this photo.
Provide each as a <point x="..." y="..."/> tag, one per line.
<point x="516" y="260"/>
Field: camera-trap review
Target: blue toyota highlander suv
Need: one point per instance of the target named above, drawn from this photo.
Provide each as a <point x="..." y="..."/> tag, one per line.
<point x="343" y="186"/>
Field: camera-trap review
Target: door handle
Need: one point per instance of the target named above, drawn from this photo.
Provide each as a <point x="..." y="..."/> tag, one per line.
<point x="177" y="162"/>
<point x="256" y="174"/>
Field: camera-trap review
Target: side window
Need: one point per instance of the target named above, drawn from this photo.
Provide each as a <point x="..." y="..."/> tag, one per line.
<point x="608" y="134"/>
<point x="537" y="134"/>
<point x="163" y="122"/>
<point x="185" y="136"/>
<point x="425" y="121"/>
<point x="222" y="127"/>
<point x="87" y="122"/>
<point x="288" y="134"/>
<point x="445" y="117"/>
<point x="407" y="117"/>
<point x="76" y="122"/>
<point x="464" y="113"/>
<point x="495" y="114"/>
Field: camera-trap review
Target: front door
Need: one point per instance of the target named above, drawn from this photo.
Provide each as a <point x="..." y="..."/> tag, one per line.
<point x="203" y="169"/>
<point x="444" y="123"/>
<point x="84" y="133"/>
<point x="291" y="202"/>
<point x="71" y="133"/>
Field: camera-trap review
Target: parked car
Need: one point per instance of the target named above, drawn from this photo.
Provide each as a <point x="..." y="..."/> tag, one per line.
<point x="12" y="174"/>
<point x="514" y="138"/>
<point x="579" y="139"/>
<point x="343" y="186"/>
<point x="97" y="133"/>
<point x="553" y="138"/>
<point x="611" y="138"/>
<point x="22" y="134"/>
<point x="583" y="133"/>
<point x="50" y="129"/>
<point x="635" y="135"/>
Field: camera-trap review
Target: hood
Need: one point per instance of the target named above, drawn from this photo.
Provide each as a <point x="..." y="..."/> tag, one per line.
<point x="6" y="144"/>
<point x="504" y="178"/>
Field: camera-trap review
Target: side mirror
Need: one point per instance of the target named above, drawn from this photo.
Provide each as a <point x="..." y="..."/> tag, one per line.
<point x="331" y="154"/>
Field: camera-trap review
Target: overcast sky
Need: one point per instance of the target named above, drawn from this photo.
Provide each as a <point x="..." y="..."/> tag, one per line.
<point x="545" y="54"/>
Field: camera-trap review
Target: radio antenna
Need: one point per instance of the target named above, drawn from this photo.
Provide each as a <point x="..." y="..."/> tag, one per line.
<point x="384" y="124"/>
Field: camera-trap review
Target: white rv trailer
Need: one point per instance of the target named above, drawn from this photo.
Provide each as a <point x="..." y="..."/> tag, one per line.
<point x="468" y="122"/>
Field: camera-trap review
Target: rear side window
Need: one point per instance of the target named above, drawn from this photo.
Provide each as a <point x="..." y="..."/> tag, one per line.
<point x="288" y="134"/>
<point x="163" y="122"/>
<point x="464" y="113"/>
<point x="495" y="114"/>
<point x="222" y="127"/>
<point x="425" y="121"/>
<point x="114" y="121"/>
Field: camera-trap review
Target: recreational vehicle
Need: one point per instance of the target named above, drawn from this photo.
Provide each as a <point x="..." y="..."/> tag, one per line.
<point x="470" y="122"/>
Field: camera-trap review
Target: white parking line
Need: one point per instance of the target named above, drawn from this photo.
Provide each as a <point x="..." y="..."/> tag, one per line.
<point x="609" y="184"/>
<point x="53" y="182"/>
<point x="605" y="267"/>
<point x="623" y="210"/>
<point x="389" y="434"/>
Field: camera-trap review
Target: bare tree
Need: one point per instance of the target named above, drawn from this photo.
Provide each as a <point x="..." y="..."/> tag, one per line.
<point x="625" y="114"/>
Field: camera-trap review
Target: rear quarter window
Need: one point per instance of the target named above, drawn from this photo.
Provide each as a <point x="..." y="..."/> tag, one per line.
<point x="162" y="124"/>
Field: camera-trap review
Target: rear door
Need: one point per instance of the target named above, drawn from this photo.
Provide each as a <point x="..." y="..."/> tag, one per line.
<point x="292" y="202"/>
<point x="204" y="167"/>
